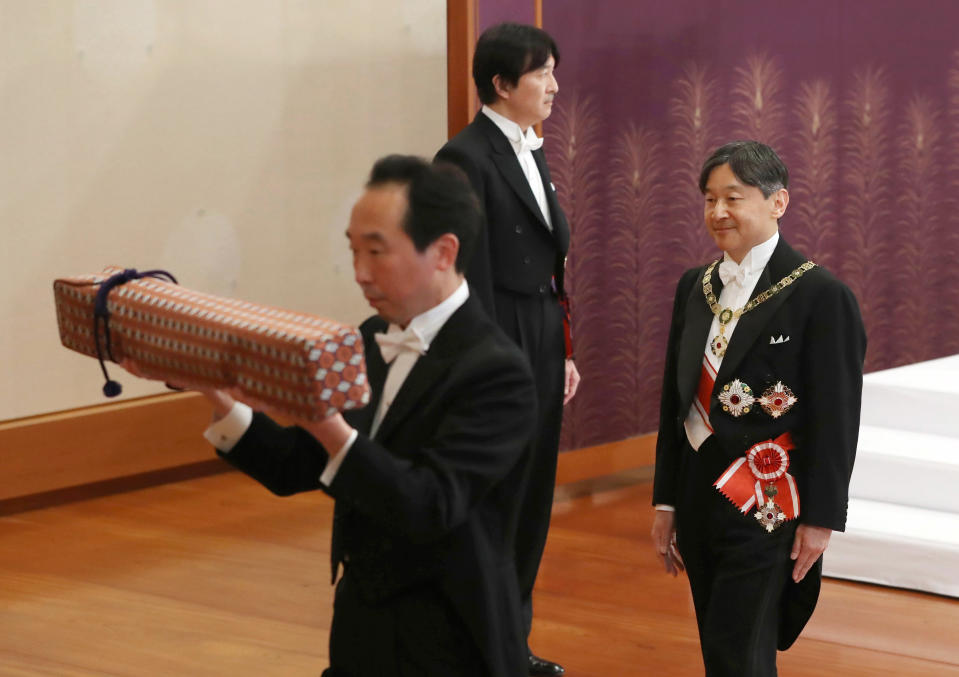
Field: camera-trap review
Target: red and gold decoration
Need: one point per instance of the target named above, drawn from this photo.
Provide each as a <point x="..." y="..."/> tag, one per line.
<point x="777" y="399"/>
<point x="737" y="398"/>
<point x="769" y="514"/>
<point x="760" y="476"/>
<point x="718" y="344"/>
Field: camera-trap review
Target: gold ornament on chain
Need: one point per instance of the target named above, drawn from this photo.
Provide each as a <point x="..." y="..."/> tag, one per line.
<point x="727" y="315"/>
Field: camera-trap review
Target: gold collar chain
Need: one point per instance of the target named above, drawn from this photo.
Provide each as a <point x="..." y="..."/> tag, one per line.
<point x="727" y="315"/>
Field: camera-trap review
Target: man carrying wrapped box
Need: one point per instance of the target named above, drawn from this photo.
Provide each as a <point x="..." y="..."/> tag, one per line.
<point x="426" y="477"/>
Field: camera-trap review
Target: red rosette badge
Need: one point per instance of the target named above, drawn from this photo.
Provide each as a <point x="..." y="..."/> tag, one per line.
<point x="762" y="472"/>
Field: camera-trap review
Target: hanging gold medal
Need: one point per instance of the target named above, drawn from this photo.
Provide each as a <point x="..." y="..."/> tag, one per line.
<point x="718" y="344"/>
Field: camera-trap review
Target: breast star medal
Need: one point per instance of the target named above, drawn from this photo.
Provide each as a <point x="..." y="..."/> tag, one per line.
<point x="777" y="399"/>
<point x="736" y="398"/>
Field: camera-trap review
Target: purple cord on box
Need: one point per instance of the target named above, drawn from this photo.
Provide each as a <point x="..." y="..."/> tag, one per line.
<point x="101" y="312"/>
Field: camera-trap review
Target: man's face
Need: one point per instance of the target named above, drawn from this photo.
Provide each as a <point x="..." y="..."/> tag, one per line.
<point x="395" y="278"/>
<point x="738" y="216"/>
<point x="531" y="100"/>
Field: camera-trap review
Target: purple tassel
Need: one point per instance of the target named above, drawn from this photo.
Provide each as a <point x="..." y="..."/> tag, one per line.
<point x="100" y="312"/>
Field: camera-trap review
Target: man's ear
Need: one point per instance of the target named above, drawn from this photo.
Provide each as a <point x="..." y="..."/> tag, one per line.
<point x="502" y="87"/>
<point x="780" y="202"/>
<point x="446" y="247"/>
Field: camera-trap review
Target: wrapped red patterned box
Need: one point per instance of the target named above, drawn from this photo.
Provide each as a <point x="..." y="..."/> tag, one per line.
<point x="301" y="365"/>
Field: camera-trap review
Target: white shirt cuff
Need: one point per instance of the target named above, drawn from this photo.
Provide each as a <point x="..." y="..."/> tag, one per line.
<point x="225" y="433"/>
<point x="333" y="465"/>
<point x="665" y="508"/>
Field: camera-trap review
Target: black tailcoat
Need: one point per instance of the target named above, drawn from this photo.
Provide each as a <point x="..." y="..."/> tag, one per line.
<point x="516" y="252"/>
<point x="431" y="503"/>
<point x="810" y="337"/>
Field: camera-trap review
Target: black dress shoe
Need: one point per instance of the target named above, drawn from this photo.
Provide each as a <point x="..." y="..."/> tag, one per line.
<point x="541" y="666"/>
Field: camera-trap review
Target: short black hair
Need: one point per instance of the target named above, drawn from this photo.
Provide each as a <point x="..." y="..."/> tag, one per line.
<point x="753" y="163"/>
<point x="441" y="200"/>
<point x="509" y="50"/>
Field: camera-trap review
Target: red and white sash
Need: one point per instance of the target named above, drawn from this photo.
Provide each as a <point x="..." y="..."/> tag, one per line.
<point x="707" y="379"/>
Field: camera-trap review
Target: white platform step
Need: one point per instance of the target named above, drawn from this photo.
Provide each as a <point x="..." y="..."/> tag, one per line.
<point x="921" y="397"/>
<point x="908" y="468"/>
<point x="897" y="545"/>
<point x="903" y="524"/>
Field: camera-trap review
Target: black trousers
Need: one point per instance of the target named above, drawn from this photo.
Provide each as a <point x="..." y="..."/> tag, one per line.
<point x="737" y="570"/>
<point x="535" y="323"/>
<point x="417" y="633"/>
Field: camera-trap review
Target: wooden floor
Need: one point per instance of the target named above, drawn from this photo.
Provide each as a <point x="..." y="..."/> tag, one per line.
<point x="216" y="577"/>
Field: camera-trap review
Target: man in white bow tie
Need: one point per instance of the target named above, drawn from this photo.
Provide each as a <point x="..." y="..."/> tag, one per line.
<point x="757" y="435"/>
<point x="427" y="478"/>
<point x="518" y="267"/>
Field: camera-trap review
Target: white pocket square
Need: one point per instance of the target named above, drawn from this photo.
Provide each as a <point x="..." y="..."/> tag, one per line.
<point x="777" y="339"/>
<point x="553" y="186"/>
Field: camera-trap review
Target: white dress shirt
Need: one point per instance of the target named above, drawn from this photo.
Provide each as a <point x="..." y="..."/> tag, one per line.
<point x="426" y="325"/>
<point x="523" y="144"/>
<point x="225" y="433"/>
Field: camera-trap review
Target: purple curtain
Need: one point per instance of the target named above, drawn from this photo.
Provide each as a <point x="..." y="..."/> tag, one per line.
<point x="497" y="11"/>
<point x="861" y="100"/>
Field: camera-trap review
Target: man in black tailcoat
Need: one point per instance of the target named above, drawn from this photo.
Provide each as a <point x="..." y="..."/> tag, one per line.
<point x="759" y="420"/>
<point x="517" y="269"/>
<point x="427" y="478"/>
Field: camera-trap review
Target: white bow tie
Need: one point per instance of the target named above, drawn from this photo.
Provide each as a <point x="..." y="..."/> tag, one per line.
<point x="730" y="271"/>
<point x="528" y="141"/>
<point x="396" y="341"/>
